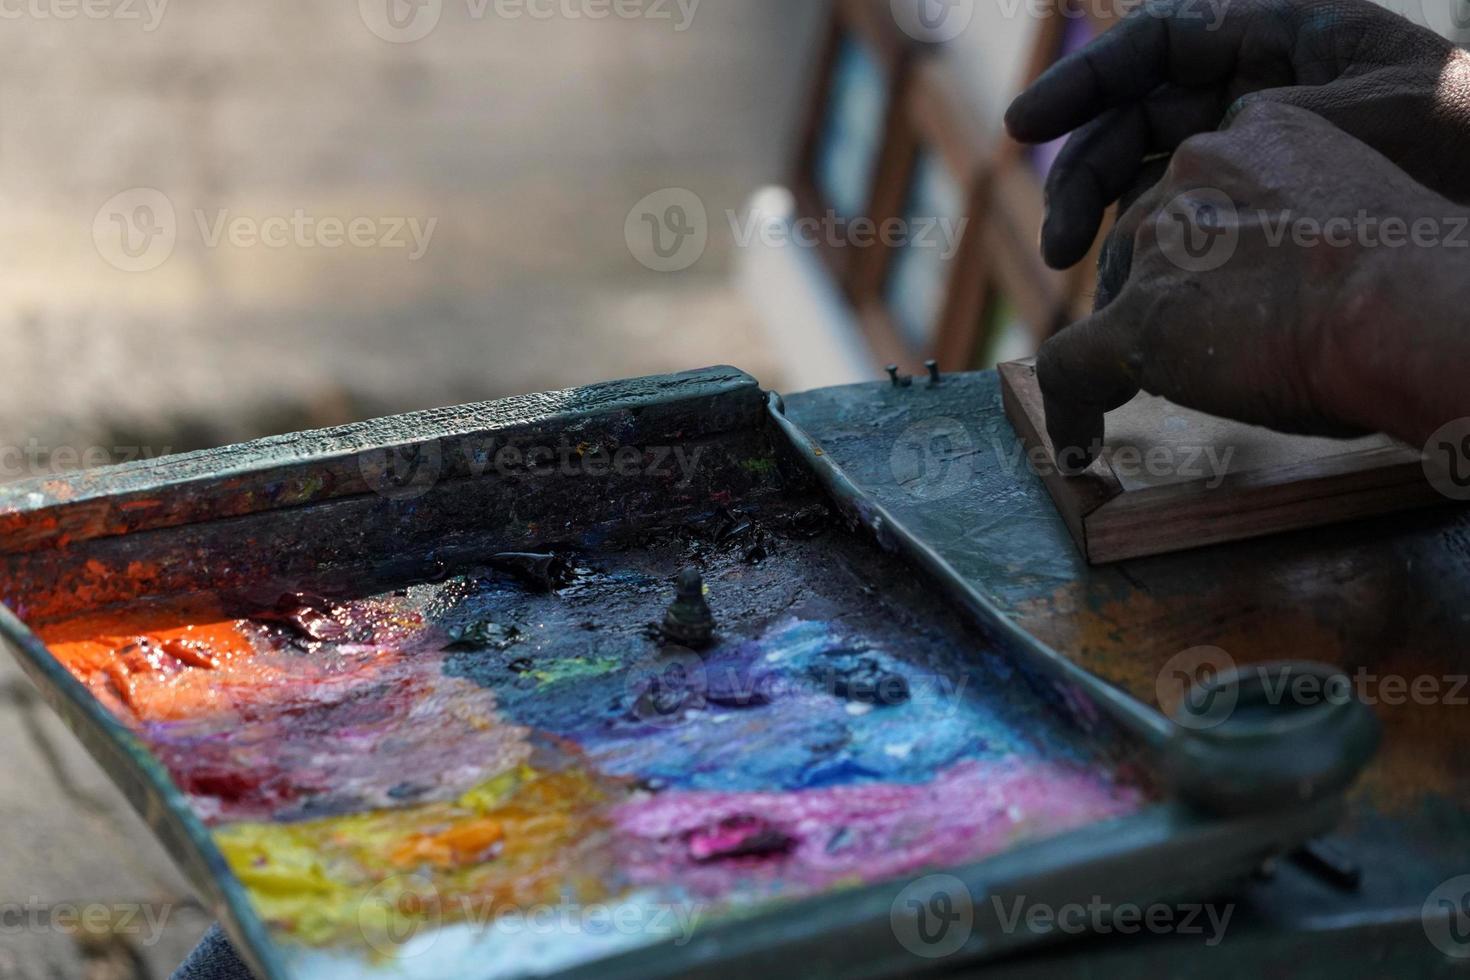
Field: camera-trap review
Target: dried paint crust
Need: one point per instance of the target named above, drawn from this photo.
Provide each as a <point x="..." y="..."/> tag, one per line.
<point x="392" y="772"/>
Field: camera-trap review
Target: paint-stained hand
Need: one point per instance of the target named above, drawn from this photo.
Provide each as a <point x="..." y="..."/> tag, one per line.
<point x="1175" y="68"/>
<point x="1282" y="273"/>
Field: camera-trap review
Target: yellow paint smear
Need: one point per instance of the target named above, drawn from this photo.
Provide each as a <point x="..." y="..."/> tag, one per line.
<point x="378" y="878"/>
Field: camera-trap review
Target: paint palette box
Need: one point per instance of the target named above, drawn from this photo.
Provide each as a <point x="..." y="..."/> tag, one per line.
<point x="402" y="700"/>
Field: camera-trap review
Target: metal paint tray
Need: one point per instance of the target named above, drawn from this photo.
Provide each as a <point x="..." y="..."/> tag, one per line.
<point x="329" y="510"/>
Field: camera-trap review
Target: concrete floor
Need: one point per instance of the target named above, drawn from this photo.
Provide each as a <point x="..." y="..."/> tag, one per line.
<point x="528" y="140"/>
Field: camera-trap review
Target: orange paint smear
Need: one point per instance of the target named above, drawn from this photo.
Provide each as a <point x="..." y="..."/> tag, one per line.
<point x="462" y="844"/>
<point x="159" y="666"/>
<point x="167" y="674"/>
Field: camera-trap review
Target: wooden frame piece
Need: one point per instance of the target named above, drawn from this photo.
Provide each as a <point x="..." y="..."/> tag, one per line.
<point x="871" y="24"/>
<point x="1045" y="298"/>
<point x="938" y="124"/>
<point x="1007" y="334"/>
<point x="1287" y="483"/>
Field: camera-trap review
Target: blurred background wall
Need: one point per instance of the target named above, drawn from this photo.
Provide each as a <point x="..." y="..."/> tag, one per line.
<point x="526" y="142"/>
<point x="517" y="142"/>
<point x="524" y="139"/>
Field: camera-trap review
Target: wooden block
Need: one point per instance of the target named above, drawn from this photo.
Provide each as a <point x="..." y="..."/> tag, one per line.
<point x="846" y="152"/>
<point x="1171" y="479"/>
<point x="914" y="301"/>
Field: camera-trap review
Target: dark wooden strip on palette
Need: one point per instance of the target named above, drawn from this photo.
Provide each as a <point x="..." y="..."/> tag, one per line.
<point x="312" y="467"/>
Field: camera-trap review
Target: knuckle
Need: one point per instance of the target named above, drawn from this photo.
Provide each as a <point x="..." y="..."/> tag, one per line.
<point x="1196" y="156"/>
<point x="1249" y="109"/>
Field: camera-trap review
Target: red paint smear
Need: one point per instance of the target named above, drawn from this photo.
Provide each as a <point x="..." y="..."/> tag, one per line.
<point x="324" y="708"/>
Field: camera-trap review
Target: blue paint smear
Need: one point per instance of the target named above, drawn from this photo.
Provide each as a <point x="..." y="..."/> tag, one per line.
<point x="806" y="704"/>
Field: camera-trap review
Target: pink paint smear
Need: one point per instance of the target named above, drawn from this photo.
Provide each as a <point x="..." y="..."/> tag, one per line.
<point x="732" y="845"/>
